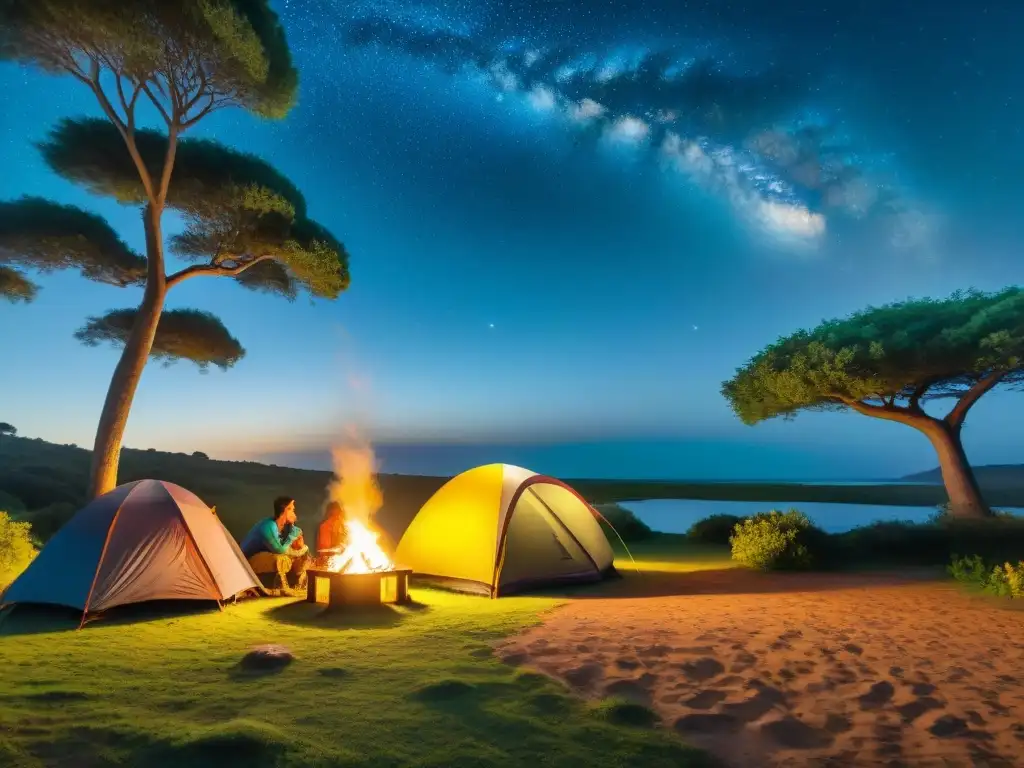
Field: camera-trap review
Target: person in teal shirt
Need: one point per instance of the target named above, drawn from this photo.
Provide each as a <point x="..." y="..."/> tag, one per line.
<point x="276" y="544"/>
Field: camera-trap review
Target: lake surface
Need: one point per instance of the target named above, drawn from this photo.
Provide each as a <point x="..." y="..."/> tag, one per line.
<point x="677" y="515"/>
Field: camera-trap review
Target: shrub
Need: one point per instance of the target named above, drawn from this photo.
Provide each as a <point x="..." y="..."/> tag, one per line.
<point x="1006" y="580"/>
<point x="47" y="521"/>
<point x="626" y="523"/>
<point x="717" y="529"/>
<point x="774" y="541"/>
<point x="16" y="550"/>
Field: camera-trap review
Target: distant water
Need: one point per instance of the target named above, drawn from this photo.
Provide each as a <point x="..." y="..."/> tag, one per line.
<point x="676" y="516"/>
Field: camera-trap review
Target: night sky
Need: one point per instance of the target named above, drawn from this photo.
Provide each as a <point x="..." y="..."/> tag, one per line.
<point x="569" y="223"/>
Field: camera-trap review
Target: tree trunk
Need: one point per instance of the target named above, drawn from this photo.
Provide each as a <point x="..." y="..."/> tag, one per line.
<point x="965" y="500"/>
<point x="106" y="451"/>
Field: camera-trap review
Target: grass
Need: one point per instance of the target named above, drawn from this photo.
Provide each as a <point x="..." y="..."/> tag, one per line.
<point x="413" y="686"/>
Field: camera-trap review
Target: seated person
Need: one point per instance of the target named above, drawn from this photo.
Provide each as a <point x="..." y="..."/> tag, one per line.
<point x="332" y="534"/>
<point x="275" y="545"/>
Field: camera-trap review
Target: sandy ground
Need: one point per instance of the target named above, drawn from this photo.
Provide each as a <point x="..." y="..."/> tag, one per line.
<point x="795" y="670"/>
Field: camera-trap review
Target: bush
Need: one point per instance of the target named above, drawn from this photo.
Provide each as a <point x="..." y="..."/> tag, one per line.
<point x="626" y="523"/>
<point x="1006" y="580"/>
<point x="16" y="550"/>
<point x="776" y="541"/>
<point x="47" y="521"/>
<point x="717" y="529"/>
<point x="996" y="540"/>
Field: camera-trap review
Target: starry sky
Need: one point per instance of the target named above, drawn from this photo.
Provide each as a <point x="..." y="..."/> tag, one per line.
<point x="569" y="223"/>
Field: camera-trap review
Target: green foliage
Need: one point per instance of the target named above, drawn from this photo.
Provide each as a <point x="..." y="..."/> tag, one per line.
<point x="943" y="345"/>
<point x="47" y="520"/>
<point x="224" y="51"/>
<point x="624" y="521"/>
<point x="15" y="287"/>
<point x="16" y="548"/>
<point x="716" y="529"/>
<point x="1006" y="580"/>
<point x="182" y="334"/>
<point x="237" y="207"/>
<point x="8" y="429"/>
<point x="208" y="176"/>
<point x="777" y="541"/>
<point x="931" y="544"/>
<point x="47" y="236"/>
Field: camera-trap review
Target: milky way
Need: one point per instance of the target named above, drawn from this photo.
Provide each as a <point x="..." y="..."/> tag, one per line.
<point x="742" y="124"/>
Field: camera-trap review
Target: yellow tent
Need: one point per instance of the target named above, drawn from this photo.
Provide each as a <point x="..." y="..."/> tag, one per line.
<point x="500" y="529"/>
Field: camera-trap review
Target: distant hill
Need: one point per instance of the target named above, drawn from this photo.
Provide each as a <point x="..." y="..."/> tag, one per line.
<point x="45" y="483"/>
<point x="990" y="476"/>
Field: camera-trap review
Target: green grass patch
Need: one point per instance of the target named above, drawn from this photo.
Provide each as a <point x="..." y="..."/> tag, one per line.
<point x="402" y="686"/>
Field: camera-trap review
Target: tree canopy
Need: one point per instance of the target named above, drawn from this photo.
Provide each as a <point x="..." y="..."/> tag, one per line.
<point x="240" y="212"/>
<point x="7" y="429"/>
<point x="15" y="287"/>
<point x="92" y="153"/>
<point x="182" y="334"/>
<point x="889" y="358"/>
<point x="186" y="56"/>
<point x="47" y="236"/>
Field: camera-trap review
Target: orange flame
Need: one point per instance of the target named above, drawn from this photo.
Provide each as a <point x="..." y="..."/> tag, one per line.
<point x="355" y="487"/>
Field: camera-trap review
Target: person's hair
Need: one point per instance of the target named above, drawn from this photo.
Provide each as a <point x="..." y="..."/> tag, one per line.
<point x="281" y="504"/>
<point x="332" y="507"/>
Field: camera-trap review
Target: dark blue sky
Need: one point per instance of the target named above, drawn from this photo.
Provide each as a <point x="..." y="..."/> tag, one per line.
<point x="569" y="222"/>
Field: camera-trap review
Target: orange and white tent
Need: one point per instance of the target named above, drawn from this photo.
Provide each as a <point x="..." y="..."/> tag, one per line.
<point x="147" y="540"/>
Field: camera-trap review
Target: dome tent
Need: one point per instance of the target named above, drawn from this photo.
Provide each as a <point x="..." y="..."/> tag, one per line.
<point x="500" y="529"/>
<point x="146" y="540"/>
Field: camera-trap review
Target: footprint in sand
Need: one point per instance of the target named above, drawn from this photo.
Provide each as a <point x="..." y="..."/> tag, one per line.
<point x="914" y="709"/>
<point x="878" y="695"/>
<point x="758" y="705"/>
<point x="652" y="651"/>
<point x="706" y="699"/>
<point x="706" y="723"/>
<point x="584" y="675"/>
<point x="791" y="733"/>
<point x="631" y="690"/>
<point x="837" y="723"/>
<point x="702" y="669"/>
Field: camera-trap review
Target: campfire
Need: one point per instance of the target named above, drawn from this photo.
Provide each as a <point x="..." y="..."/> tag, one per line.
<point x="360" y="572"/>
<point x="362" y="554"/>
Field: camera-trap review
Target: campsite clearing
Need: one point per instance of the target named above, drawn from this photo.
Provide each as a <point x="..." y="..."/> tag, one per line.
<point x="414" y="686"/>
<point x="764" y="670"/>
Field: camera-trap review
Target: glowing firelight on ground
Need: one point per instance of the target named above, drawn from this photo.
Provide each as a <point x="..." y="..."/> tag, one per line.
<point x="355" y="488"/>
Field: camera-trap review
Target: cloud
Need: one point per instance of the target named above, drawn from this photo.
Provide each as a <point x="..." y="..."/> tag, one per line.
<point x="628" y="130"/>
<point x="586" y="110"/>
<point x="541" y="98"/>
<point x="503" y="76"/>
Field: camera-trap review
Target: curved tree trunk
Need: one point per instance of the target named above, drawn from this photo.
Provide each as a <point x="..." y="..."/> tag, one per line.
<point x="106" y="451"/>
<point x="965" y="499"/>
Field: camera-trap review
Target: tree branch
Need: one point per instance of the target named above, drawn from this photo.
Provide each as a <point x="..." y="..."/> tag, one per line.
<point x="156" y="103"/>
<point x="214" y="270"/>
<point x="955" y="418"/>
<point x="888" y="413"/>
<point x="126" y="134"/>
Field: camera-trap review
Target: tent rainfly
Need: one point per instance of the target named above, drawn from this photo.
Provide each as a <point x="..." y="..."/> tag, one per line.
<point x="147" y="540"/>
<point x="500" y="529"/>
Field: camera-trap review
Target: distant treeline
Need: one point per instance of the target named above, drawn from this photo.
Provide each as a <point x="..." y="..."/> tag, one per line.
<point x="36" y="475"/>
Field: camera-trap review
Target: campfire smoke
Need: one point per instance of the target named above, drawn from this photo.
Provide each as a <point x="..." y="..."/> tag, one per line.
<point x="355" y="487"/>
